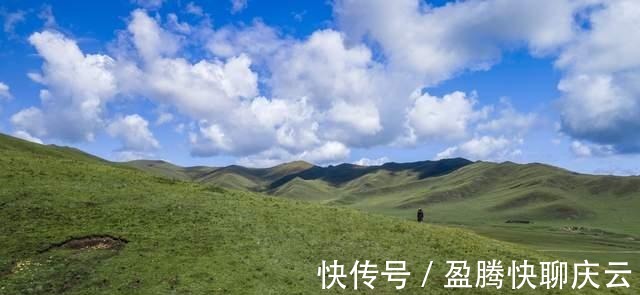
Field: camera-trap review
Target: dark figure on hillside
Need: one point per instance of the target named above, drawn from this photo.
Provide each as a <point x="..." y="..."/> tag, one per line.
<point x="420" y="215"/>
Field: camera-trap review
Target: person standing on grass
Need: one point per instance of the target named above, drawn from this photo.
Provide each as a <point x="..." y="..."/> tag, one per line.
<point x="420" y="215"/>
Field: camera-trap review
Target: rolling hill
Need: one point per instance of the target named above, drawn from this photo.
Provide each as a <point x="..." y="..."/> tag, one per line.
<point x="75" y="224"/>
<point x="550" y="208"/>
<point x="452" y="190"/>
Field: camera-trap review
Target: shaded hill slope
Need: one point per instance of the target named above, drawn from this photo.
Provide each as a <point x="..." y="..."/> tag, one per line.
<point x="270" y="179"/>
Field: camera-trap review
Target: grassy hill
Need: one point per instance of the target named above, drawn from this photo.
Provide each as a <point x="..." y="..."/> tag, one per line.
<point x="566" y="212"/>
<point x="168" y="170"/>
<point x="73" y="224"/>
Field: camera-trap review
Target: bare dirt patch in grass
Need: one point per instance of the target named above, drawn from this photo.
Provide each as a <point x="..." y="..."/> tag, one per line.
<point x="93" y="242"/>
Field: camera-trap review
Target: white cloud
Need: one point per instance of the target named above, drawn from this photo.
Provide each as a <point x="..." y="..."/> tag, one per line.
<point x="371" y="162"/>
<point x="329" y="153"/>
<point x="175" y="25"/>
<point x="585" y="150"/>
<point x="30" y="121"/>
<point x="258" y="41"/>
<point x="238" y="5"/>
<point x="134" y="133"/>
<point x="342" y="82"/>
<point x="601" y="96"/>
<point x="214" y="141"/>
<point x="324" y="69"/>
<point x="329" y="92"/>
<point x="508" y="121"/>
<point x="484" y="148"/>
<point x="262" y="161"/>
<point x="258" y="125"/>
<point x="26" y="136"/>
<point x="132" y="155"/>
<point x="580" y="150"/>
<point x="363" y="118"/>
<point x="437" y="42"/>
<point x="5" y="91"/>
<point x="446" y="117"/>
<point x="151" y="41"/>
<point x="203" y="90"/>
<point x="78" y="87"/>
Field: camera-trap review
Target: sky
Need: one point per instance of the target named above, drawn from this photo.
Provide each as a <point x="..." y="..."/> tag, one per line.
<point x="259" y="83"/>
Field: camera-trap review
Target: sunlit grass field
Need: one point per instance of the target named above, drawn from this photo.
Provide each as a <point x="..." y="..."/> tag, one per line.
<point x="188" y="238"/>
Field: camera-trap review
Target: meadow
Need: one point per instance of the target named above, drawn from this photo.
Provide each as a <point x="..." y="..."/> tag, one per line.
<point x="76" y="224"/>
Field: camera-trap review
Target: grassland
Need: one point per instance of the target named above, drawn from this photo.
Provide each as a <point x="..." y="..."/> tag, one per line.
<point x="190" y="238"/>
<point x="576" y="215"/>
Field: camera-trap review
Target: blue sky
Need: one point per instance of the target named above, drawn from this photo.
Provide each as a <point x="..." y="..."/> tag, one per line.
<point x="259" y="83"/>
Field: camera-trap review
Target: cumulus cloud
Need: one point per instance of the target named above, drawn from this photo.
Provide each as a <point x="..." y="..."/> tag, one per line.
<point x="444" y="117"/>
<point x="437" y="42"/>
<point x="26" y="136"/>
<point x="202" y="90"/>
<point x="265" y="97"/>
<point x="601" y="96"/>
<point x="324" y="69"/>
<point x="258" y="41"/>
<point x="151" y="41"/>
<point x="134" y="133"/>
<point x="5" y="91"/>
<point x="484" y="148"/>
<point x="77" y="85"/>
<point x="343" y="81"/>
<point x="329" y="152"/>
<point x="259" y="125"/>
<point x="508" y="120"/>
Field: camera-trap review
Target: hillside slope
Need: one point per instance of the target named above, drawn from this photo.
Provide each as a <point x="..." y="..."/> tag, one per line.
<point x="171" y="171"/>
<point x="554" y="209"/>
<point x="453" y="190"/>
<point x="143" y="234"/>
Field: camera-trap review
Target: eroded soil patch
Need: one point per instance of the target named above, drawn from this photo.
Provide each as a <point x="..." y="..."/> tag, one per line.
<point x="94" y="242"/>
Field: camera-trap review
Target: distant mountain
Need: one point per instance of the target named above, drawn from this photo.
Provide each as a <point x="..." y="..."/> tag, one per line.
<point x="270" y="179"/>
<point x="166" y="169"/>
<point x="451" y="190"/>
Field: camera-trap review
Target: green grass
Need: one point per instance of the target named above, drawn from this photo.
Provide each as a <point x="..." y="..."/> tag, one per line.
<point x="168" y="170"/>
<point x="188" y="238"/>
<point x="481" y="197"/>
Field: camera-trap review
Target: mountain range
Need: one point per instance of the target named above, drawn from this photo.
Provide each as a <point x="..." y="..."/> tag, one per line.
<point x="538" y="205"/>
